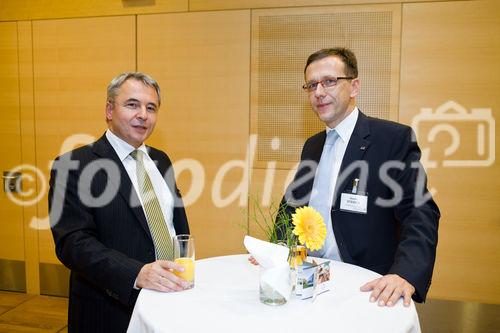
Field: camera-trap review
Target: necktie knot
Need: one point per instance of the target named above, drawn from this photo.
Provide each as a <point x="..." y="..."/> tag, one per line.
<point x="331" y="137"/>
<point x="137" y="155"/>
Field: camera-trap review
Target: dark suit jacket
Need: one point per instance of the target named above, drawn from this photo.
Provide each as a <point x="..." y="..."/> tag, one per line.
<point x="101" y="233"/>
<point x="400" y="239"/>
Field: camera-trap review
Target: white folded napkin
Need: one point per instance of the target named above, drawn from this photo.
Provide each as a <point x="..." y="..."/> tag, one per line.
<point x="273" y="259"/>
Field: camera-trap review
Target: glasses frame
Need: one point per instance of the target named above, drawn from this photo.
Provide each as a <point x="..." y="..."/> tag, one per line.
<point x="322" y="82"/>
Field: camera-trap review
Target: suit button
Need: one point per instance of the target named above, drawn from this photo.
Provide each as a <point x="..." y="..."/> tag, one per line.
<point x="150" y="252"/>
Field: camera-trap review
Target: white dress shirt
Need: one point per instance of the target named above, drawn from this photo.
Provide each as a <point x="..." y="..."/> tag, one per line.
<point x="165" y="197"/>
<point x="330" y="248"/>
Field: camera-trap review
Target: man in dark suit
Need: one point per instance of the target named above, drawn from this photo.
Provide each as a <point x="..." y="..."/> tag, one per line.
<point x="364" y="176"/>
<point x="100" y="203"/>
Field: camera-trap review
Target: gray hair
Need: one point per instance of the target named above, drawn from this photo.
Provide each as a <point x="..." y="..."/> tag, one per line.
<point x="117" y="82"/>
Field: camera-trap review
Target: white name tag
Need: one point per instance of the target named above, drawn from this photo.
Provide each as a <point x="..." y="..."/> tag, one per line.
<point x="353" y="203"/>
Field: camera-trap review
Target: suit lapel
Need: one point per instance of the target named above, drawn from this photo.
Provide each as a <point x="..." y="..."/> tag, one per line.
<point x="314" y="155"/>
<point x="103" y="149"/>
<point x="317" y="149"/>
<point x="298" y="194"/>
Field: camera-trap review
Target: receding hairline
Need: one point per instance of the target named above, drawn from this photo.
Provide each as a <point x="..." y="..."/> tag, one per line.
<point x="330" y="56"/>
<point x="345" y="55"/>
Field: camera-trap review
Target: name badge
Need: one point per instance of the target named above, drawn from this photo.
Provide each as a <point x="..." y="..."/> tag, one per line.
<point x="354" y="203"/>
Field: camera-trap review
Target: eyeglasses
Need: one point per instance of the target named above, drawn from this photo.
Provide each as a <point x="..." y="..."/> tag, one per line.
<point x="326" y="83"/>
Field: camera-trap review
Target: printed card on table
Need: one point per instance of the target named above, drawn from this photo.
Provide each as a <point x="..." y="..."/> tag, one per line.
<point x="312" y="279"/>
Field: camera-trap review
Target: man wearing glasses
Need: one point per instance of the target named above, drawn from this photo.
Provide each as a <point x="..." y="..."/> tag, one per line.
<point x="364" y="176"/>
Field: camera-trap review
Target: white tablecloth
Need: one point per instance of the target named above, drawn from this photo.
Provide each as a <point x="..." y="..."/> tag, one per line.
<point x="226" y="299"/>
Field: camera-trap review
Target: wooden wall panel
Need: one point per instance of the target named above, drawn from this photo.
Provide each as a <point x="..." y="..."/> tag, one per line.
<point x="74" y="61"/>
<point x="202" y="61"/>
<point x="282" y="39"/>
<point x="11" y="225"/>
<point x="49" y="9"/>
<point x="451" y="52"/>
<point x="195" y="5"/>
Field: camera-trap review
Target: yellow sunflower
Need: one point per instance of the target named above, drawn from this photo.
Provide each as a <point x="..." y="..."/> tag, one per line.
<point x="309" y="227"/>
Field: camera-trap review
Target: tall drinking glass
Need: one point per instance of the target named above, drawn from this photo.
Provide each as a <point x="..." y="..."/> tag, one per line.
<point x="184" y="255"/>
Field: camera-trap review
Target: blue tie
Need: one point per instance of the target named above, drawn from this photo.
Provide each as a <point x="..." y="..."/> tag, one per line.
<point x="322" y="195"/>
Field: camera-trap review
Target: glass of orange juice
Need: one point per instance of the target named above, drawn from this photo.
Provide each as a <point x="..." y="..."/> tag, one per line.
<point x="184" y="255"/>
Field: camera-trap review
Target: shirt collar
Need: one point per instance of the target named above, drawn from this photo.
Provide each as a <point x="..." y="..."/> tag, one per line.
<point x="122" y="148"/>
<point x="346" y="126"/>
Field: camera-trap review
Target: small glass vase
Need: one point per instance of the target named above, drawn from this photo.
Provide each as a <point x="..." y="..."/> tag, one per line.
<point x="297" y="255"/>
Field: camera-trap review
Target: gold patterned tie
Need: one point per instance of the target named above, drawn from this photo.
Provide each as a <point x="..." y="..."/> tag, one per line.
<point x="156" y="221"/>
